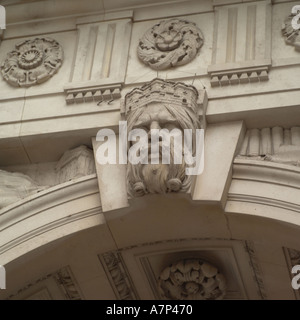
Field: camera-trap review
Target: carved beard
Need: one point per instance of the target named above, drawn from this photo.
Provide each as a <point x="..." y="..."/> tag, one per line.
<point x="158" y="178"/>
<point x="155" y="177"/>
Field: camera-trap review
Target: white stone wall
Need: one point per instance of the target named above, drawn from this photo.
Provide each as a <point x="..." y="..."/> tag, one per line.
<point x="39" y="115"/>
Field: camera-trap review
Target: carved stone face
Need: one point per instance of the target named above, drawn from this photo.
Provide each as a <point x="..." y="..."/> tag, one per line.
<point x="157" y="178"/>
<point x="156" y="116"/>
<point x="164" y="110"/>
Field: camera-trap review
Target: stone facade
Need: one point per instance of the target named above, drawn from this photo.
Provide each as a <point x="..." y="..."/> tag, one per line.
<point x="74" y="228"/>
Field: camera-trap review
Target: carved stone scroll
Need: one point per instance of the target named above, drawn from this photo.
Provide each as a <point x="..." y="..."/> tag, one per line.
<point x="32" y="62"/>
<point x="170" y="43"/>
<point x="191" y="280"/>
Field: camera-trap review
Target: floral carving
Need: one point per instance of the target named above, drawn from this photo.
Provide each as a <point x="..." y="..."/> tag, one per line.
<point x="191" y="280"/>
<point x="32" y="62"/>
<point x="170" y="43"/>
<point x="292" y="35"/>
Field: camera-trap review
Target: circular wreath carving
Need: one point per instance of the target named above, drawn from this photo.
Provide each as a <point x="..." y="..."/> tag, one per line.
<point x="292" y="35"/>
<point x="192" y="279"/>
<point x="170" y="43"/>
<point x="32" y="62"/>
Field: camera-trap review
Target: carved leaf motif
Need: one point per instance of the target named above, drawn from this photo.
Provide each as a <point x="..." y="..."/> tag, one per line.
<point x="170" y="43"/>
<point x="292" y="36"/>
<point x="191" y="279"/>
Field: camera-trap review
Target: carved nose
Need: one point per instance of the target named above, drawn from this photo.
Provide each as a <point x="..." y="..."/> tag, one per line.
<point x="153" y="125"/>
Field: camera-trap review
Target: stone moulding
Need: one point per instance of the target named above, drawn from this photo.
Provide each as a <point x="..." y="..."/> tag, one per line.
<point x="292" y="257"/>
<point x="265" y="189"/>
<point x="118" y="276"/>
<point x="97" y="93"/>
<point x="267" y="172"/>
<point x="32" y="62"/>
<point x="276" y="144"/>
<point x="191" y="279"/>
<point x="64" y="280"/>
<point x="49" y="215"/>
<point x="67" y="282"/>
<point x="239" y="77"/>
<point x="170" y="43"/>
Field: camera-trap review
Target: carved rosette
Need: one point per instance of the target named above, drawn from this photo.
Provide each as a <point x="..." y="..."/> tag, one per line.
<point x="170" y="43"/>
<point x="192" y="279"/>
<point x="292" y="35"/>
<point x="32" y="62"/>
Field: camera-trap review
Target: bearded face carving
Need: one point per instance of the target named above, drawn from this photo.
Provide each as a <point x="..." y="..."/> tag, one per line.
<point x="158" y="107"/>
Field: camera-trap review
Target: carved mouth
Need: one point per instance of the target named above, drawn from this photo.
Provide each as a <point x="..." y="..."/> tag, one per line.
<point x="155" y="155"/>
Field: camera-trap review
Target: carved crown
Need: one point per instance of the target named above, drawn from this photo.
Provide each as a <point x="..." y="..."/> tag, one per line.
<point x="165" y="92"/>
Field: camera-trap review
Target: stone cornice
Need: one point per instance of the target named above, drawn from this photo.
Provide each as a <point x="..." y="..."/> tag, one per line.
<point x="265" y="189"/>
<point x="49" y="9"/>
<point x="266" y="171"/>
